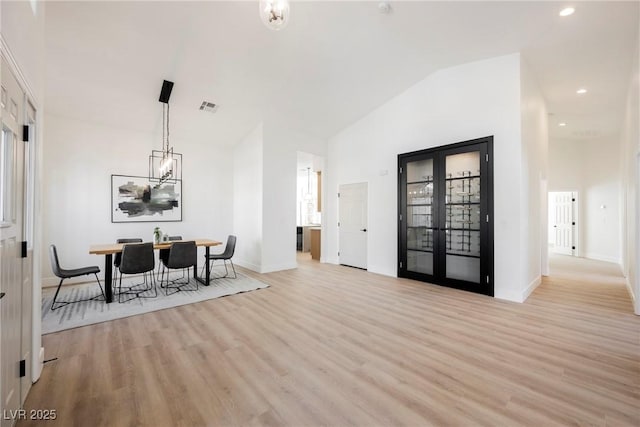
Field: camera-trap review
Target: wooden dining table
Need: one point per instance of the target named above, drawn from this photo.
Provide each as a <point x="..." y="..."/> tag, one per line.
<point x="113" y="248"/>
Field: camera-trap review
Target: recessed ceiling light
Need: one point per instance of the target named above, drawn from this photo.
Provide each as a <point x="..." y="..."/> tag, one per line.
<point x="567" y="11"/>
<point x="562" y="124"/>
<point x="581" y="91"/>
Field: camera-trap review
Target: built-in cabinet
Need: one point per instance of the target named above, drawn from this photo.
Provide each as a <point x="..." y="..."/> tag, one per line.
<point x="445" y="222"/>
<point x="315" y="243"/>
<point x="303" y="237"/>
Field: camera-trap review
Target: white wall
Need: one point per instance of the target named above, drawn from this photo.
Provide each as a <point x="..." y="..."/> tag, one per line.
<point x="79" y="158"/>
<point x="247" y="199"/>
<point x="535" y="144"/>
<point x="630" y="160"/>
<point x="281" y="146"/>
<point x="455" y="104"/>
<point x="265" y="181"/>
<point x="592" y="168"/>
<point x="23" y="32"/>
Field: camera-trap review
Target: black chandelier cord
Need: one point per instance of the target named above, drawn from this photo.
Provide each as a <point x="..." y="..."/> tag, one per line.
<point x="165" y="128"/>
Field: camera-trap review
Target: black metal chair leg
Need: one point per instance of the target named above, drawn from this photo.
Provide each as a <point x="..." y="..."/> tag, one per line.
<point x="235" y="275"/>
<point x="152" y="286"/>
<point x="101" y="289"/>
<point x="63" y="303"/>
<point x="56" y="296"/>
<point x="120" y="290"/>
<point x="226" y="269"/>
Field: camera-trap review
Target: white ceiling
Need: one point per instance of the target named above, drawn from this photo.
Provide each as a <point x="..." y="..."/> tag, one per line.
<point x="334" y="63"/>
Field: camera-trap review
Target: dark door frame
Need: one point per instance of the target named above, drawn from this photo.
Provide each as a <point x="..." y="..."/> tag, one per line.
<point x="438" y="154"/>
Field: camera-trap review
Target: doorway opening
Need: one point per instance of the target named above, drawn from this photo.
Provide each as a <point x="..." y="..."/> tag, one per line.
<point x="563" y="219"/>
<point x="309" y="206"/>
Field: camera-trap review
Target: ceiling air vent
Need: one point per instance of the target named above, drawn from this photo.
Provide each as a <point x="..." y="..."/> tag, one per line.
<point x="209" y="106"/>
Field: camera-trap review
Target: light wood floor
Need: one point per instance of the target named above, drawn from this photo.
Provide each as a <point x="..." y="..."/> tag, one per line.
<point x="331" y="345"/>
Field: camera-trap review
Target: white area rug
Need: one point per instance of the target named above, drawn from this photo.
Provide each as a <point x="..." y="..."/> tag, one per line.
<point x="96" y="311"/>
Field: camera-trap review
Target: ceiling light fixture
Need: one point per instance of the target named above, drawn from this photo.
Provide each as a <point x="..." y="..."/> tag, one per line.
<point x="567" y="11"/>
<point x="581" y="91"/>
<point x="563" y="124"/>
<point x="165" y="166"/>
<point x="274" y="13"/>
<point x="384" y="7"/>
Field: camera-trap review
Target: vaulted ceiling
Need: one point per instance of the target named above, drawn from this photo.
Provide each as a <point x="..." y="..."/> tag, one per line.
<point x="334" y="63"/>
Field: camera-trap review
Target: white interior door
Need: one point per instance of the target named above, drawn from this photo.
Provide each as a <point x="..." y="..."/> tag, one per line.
<point x="11" y="203"/>
<point x="352" y="225"/>
<point x="562" y="222"/>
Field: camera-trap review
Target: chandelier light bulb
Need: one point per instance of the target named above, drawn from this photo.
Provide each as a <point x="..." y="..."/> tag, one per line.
<point x="274" y="13"/>
<point x="567" y="11"/>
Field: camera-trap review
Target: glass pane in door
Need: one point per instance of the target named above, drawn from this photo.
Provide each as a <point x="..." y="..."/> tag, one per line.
<point x="7" y="178"/>
<point x="462" y="221"/>
<point x="419" y="216"/>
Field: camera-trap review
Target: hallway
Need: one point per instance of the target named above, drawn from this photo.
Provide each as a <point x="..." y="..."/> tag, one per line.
<point x="584" y="284"/>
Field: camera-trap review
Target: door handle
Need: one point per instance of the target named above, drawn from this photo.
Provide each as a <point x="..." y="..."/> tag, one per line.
<point x="1" y="295"/>
<point x="364" y="229"/>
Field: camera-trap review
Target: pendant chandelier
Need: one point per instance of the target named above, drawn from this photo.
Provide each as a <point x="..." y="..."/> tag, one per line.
<point x="274" y="13"/>
<point x="165" y="166"/>
<point x="308" y="196"/>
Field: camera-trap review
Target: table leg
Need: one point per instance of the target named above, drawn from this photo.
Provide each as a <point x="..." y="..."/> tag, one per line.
<point x="108" y="263"/>
<point x="208" y="266"/>
<point x="207" y="276"/>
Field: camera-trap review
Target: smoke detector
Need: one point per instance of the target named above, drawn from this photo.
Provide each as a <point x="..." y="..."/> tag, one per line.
<point x="384" y="7"/>
<point x="209" y="107"/>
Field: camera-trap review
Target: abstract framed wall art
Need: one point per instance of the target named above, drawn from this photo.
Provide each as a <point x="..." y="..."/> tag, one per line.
<point x="136" y="199"/>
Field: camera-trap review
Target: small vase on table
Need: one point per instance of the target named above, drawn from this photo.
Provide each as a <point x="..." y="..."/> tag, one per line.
<point x="157" y="234"/>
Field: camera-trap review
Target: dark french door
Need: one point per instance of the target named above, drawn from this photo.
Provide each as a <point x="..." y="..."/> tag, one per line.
<point x="445" y="226"/>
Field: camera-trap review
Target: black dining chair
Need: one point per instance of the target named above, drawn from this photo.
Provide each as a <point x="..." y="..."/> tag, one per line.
<point x="164" y="255"/>
<point x="182" y="255"/>
<point x="225" y="256"/>
<point x="64" y="273"/>
<point x="138" y="258"/>
<point x="118" y="257"/>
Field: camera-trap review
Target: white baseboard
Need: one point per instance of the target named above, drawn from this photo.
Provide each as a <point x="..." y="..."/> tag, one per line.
<point x="37" y="370"/>
<point x="382" y="271"/>
<point x="331" y="260"/>
<point x="508" y="296"/>
<point x="278" y="267"/>
<point x="605" y="258"/>
<point x="630" y="290"/>
<point x="532" y="286"/>
<point x="266" y="268"/>
<point x="247" y="265"/>
<point x="52" y="282"/>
